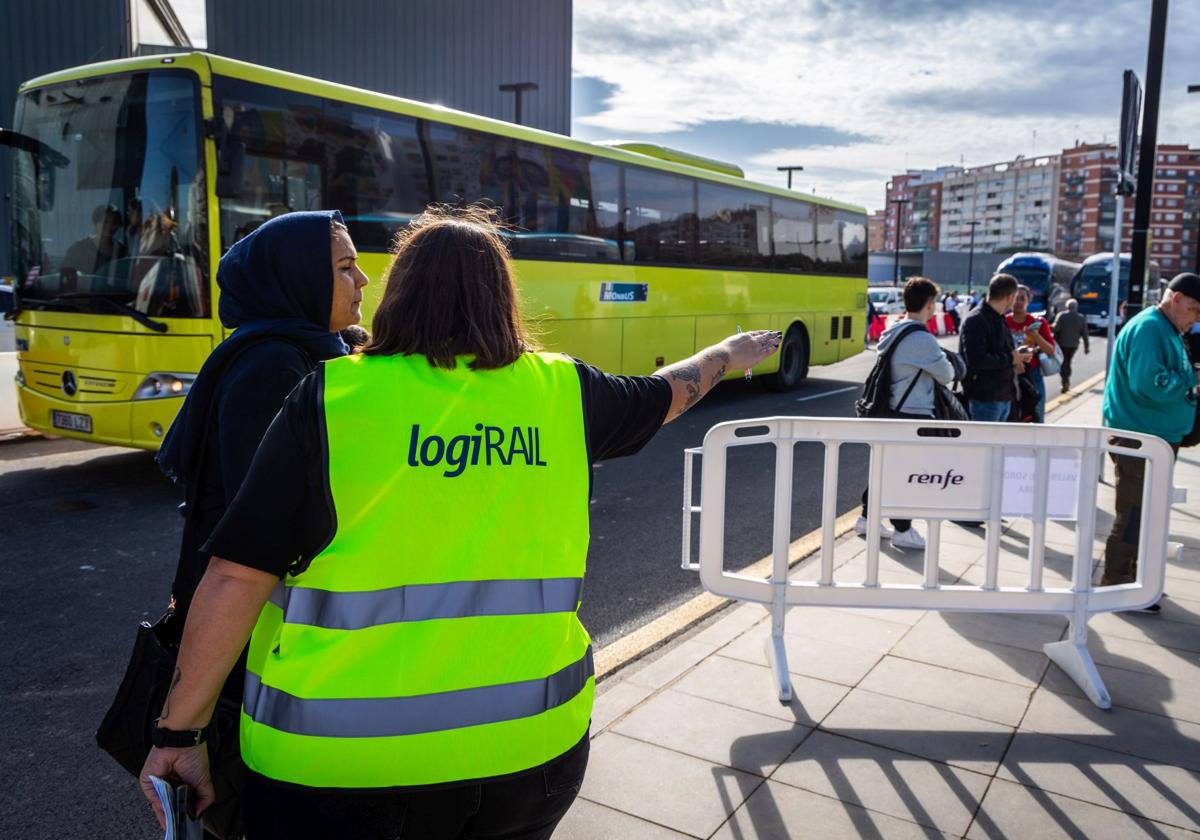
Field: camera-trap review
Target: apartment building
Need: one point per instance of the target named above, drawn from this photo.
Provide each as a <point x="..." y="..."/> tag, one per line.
<point x="876" y="225"/>
<point x="914" y="201"/>
<point x="1087" y="206"/>
<point x="1015" y="203"/>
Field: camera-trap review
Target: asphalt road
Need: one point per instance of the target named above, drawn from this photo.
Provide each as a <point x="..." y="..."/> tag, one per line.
<point x="89" y="534"/>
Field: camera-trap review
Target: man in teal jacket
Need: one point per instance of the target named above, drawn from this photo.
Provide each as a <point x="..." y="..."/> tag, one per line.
<point x="1151" y="389"/>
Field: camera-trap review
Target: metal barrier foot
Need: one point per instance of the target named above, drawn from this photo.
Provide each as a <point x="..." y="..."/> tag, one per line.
<point x="1073" y="657"/>
<point x="777" y="656"/>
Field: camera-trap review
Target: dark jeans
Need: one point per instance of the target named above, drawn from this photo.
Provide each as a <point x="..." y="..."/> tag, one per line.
<point x="900" y="525"/>
<point x="525" y="807"/>
<point x="1121" y="548"/>
<point x="1065" y="371"/>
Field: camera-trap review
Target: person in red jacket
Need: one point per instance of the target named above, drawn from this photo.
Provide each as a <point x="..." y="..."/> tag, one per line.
<point x="1030" y="331"/>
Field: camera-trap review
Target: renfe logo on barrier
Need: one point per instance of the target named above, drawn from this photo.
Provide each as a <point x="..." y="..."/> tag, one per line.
<point x="924" y="477"/>
<point x="954" y="479"/>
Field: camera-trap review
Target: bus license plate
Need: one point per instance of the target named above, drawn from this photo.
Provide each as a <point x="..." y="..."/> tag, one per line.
<point x="71" y="422"/>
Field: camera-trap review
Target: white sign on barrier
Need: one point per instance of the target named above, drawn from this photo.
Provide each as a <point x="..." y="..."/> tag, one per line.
<point x="1062" y="494"/>
<point x="942" y="478"/>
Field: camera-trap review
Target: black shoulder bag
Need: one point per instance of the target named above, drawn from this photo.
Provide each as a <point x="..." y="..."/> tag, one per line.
<point x="125" y="731"/>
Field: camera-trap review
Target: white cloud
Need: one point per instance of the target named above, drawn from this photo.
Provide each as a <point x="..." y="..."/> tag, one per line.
<point x="930" y="86"/>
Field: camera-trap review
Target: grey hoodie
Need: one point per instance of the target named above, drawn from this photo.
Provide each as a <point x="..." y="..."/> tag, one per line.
<point x="916" y="353"/>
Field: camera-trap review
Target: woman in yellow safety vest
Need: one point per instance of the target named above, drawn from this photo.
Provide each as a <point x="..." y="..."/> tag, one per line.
<point x="406" y="557"/>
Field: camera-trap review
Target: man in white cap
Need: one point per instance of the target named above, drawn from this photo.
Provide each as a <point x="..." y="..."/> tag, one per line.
<point x="1151" y="388"/>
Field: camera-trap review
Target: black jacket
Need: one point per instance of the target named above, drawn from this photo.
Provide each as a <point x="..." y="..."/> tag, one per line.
<point x="987" y="347"/>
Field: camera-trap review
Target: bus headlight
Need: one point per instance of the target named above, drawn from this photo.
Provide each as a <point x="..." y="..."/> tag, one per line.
<point x="20" y="377"/>
<point x="158" y="385"/>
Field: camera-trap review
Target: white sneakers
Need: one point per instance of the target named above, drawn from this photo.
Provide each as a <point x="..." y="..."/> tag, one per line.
<point x="906" y="540"/>
<point x="903" y="540"/>
<point x="860" y="528"/>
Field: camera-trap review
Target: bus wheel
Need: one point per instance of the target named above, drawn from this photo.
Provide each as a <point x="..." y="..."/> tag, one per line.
<point x="793" y="360"/>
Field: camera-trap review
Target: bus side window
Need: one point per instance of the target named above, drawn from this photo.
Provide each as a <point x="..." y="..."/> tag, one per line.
<point x="794" y="234"/>
<point x="660" y="215"/>
<point x="735" y="227"/>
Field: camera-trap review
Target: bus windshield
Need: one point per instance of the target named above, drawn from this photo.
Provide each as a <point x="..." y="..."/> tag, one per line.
<point x="1092" y="282"/>
<point x="110" y="214"/>
<point x="1037" y="279"/>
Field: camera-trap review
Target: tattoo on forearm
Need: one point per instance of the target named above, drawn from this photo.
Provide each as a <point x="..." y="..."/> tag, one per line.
<point x="692" y="375"/>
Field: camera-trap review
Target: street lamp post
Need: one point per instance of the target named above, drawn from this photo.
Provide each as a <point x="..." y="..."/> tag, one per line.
<point x="789" y="170"/>
<point x="1196" y="89"/>
<point x="971" y="255"/>
<point x="899" y="202"/>
<point x="517" y="89"/>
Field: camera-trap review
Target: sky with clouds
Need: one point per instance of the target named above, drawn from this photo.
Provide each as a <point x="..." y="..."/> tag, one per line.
<point x="858" y="90"/>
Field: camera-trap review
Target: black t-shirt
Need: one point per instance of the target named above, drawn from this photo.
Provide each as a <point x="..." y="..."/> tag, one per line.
<point x="248" y="397"/>
<point x="283" y="514"/>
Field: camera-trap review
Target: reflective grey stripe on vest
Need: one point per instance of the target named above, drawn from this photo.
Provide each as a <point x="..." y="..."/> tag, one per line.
<point x="385" y="717"/>
<point x="421" y="602"/>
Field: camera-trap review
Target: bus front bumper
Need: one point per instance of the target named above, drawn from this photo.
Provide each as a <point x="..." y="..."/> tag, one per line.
<point x="137" y="423"/>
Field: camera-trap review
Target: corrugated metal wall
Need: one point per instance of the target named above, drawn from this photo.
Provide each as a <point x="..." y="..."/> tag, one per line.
<point x="41" y="36"/>
<point x="455" y="52"/>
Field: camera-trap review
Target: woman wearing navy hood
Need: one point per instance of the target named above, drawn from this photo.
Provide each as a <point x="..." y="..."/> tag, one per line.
<point x="287" y="289"/>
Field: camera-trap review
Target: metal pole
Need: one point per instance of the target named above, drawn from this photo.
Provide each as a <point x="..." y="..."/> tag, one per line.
<point x="1114" y="282"/>
<point x="1148" y="157"/>
<point x="971" y="259"/>
<point x="899" y="202"/>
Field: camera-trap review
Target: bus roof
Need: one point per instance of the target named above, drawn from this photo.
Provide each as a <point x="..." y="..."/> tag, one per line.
<point x="206" y="63"/>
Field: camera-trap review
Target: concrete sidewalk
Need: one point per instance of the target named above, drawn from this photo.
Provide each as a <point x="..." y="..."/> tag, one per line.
<point x="910" y="724"/>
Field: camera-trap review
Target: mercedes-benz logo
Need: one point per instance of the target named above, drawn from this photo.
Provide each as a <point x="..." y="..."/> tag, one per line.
<point x="69" y="385"/>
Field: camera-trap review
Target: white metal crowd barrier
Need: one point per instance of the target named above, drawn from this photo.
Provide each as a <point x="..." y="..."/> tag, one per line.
<point x="940" y="471"/>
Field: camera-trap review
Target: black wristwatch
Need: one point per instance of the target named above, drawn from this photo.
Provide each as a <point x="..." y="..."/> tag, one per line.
<point x="175" y="738"/>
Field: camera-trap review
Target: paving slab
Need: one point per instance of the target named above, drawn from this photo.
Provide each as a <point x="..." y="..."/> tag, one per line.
<point x="1147" y="658"/>
<point x="590" y="821"/>
<point x="973" y="656"/>
<point x="664" y="787"/>
<point x="1151" y="629"/>
<point x="1150" y="693"/>
<point x="818" y="658"/>
<point x="615" y="700"/>
<point x="658" y="672"/>
<point x="1127" y="783"/>
<point x="1010" y="810"/>
<point x="967" y="742"/>
<point x="1023" y="631"/>
<point x="730" y="624"/>
<point x="857" y="631"/>
<point x="778" y="811"/>
<point x="1136" y="733"/>
<point x="943" y="688"/>
<point x="715" y="732"/>
<point x="745" y="685"/>
<point x="925" y="792"/>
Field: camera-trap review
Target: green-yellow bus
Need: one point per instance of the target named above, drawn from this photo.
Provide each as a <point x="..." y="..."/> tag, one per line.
<point x="132" y="177"/>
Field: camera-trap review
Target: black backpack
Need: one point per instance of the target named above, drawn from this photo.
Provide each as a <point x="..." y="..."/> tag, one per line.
<point x="877" y="390"/>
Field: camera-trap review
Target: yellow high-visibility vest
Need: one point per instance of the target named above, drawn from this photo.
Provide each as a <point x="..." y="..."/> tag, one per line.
<point x="436" y="637"/>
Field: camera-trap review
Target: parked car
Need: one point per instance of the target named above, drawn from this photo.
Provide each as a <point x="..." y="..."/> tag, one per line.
<point x="888" y="301"/>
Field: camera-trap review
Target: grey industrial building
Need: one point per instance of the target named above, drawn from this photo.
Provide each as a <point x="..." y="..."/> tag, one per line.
<point x="457" y="53"/>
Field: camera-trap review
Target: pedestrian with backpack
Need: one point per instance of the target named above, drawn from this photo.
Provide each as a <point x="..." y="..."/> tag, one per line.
<point x="901" y="385"/>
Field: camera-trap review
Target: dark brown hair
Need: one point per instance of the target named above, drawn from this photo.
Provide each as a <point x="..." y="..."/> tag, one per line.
<point x="918" y="291"/>
<point x="1001" y="286"/>
<point x="450" y="291"/>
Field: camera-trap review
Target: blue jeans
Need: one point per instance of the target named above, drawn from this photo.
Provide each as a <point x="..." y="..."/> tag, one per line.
<point x="1039" y="381"/>
<point x="990" y="412"/>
